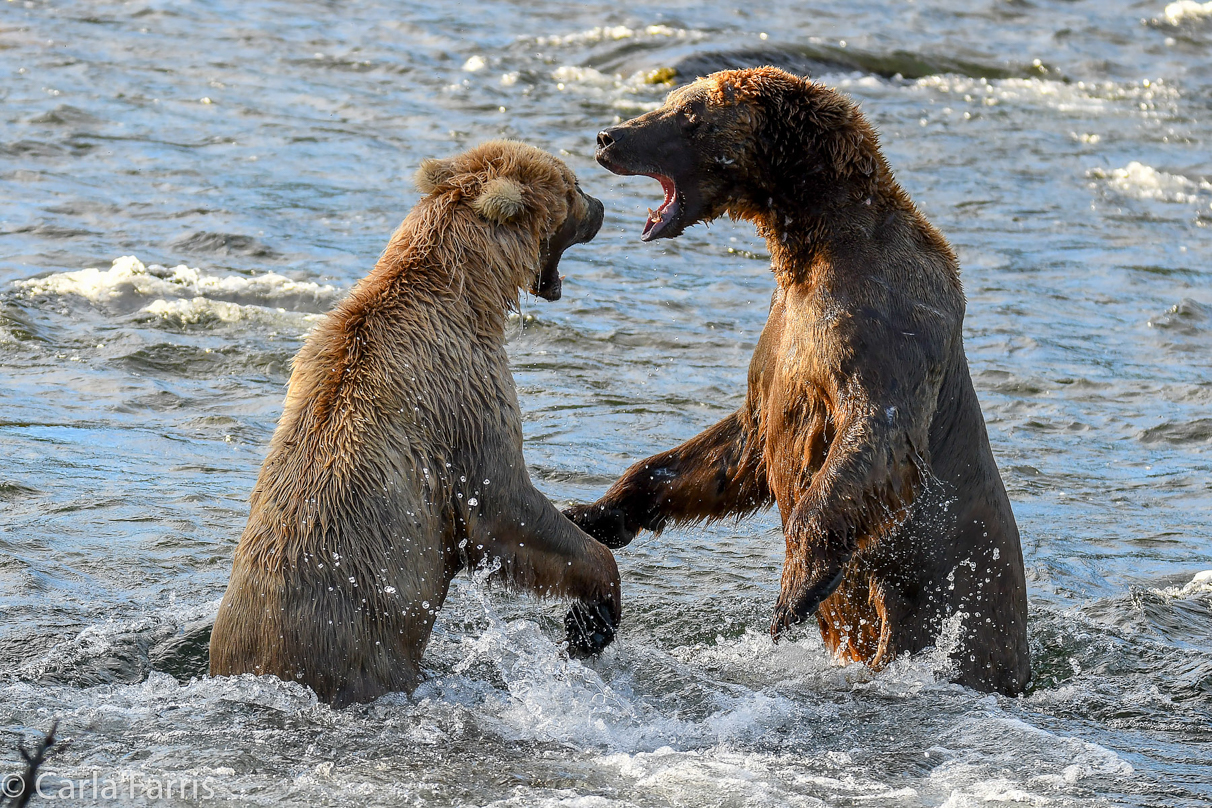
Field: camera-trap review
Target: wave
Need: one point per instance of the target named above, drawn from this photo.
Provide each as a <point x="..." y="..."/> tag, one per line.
<point x="183" y="295"/>
<point x="1179" y="432"/>
<point x="1186" y="11"/>
<point x="635" y="78"/>
<point x="1076" y="97"/>
<point x="616" y="33"/>
<point x="1145" y="182"/>
<point x="632" y="58"/>
<point x="1200" y="584"/>
<point x="223" y="244"/>
<point x="814" y="59"/>
<point x="664" y="54"/>
<point x="119" y="650"/>
<point x="1187" y="317"/>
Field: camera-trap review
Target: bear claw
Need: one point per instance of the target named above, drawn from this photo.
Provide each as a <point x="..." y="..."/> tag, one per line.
<point x="791" y="611"/>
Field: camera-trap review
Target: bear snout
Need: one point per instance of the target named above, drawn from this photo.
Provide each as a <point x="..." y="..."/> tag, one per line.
<point x="606" y="138"/>
<point x="593" y="222"/>
<point x="609" y="145"/>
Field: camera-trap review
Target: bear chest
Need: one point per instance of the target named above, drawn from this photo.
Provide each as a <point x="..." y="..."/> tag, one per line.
<point x="791" y="384"/>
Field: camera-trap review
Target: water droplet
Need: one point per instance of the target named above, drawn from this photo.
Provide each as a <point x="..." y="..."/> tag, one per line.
<point x="473" y="501"/>
<point x="424" y="604"/>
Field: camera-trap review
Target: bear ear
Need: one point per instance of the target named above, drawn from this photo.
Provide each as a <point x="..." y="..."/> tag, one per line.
<point x="500" y="200"/>
<point x="432" y="173"/>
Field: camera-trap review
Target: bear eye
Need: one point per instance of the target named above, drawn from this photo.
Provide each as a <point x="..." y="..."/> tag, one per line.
<point x="689" y="118"/>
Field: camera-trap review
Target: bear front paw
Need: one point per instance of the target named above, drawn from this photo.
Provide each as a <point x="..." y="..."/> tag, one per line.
<point x="605" y="523"/>
<point x="589" y="628"/>
<point x="797" y="604"/>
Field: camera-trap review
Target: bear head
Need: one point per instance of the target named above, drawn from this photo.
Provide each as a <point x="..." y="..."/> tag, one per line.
<point x="744" y="142"/>
<point x="518" y="190"/>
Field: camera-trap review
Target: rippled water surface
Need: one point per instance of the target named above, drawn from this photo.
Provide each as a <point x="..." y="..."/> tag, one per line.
<point x="186" y="186"/>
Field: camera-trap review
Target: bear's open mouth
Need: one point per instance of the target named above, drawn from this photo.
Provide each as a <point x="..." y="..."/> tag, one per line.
<point x="666" y="215"/>
<point x="548" y="283"/>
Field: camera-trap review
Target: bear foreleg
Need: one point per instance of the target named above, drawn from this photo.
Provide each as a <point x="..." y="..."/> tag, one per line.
<point x="543" y="552"/>
<point x="864" y="490"/>
<point x="715" y="474"/>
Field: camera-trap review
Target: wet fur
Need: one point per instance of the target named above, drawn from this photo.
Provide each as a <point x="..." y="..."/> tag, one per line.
<point x="861" y="421"/>
<point x="398" y="457"/>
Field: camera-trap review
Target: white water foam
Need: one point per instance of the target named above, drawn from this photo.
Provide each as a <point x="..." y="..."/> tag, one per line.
<point x="748" y="688"/>
<point x="614" y="33"/>
<point x="544" y="696"/>
<point x="630" y="95"/>
<point x="1186" y="11"/>
<point x="1201" y="584"/>
<point x="1145" y="182"/>
<point x="978" y="752"/>
<point x="184" y="294"/>
<point x="740" y="778"/>
<point x="510" y="682"/>
<point x="1147" y="98"/>
<point x="587" y="75"/>
<point x="557" y="798"/>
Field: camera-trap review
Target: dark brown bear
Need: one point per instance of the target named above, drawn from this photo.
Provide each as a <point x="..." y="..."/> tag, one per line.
<point x="398" y="458"/>
<point x="860" y="422"/>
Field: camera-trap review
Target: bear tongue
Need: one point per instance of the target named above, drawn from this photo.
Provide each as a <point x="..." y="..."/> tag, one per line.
<point x="666" y="213"/>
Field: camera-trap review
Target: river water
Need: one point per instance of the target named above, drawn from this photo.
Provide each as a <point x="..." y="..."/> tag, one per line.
<point x="186" y="186"/>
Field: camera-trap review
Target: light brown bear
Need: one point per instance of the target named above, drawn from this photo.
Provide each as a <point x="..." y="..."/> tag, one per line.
<point x="861" y="421"/>
<point x="398" y="458"/>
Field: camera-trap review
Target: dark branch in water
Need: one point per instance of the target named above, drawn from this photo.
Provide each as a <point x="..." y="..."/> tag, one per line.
<point x="27" y="782"/>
